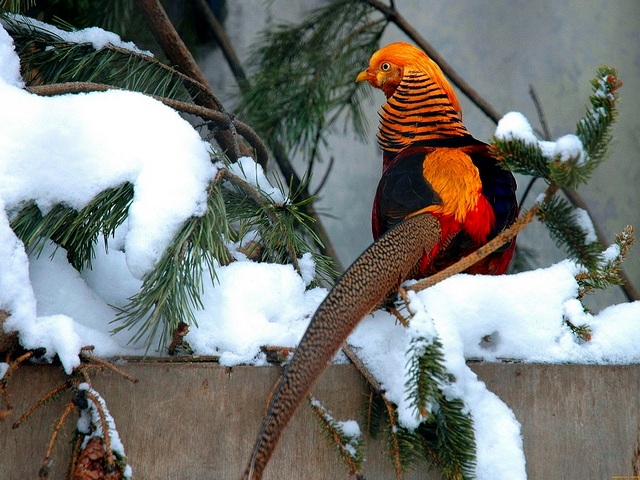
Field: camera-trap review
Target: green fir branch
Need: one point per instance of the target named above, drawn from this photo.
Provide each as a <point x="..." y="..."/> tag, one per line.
<point x="527" y="157"/>
<point x="284" y="230"/>
<point x="426" y="373"/>
<point x="447" y="437"/>
<point x="594" y="129"/>
<point x="305" y="75"/>
<point x="607" y="271"/>
<point x="561" y="220"/>
<point x="349" y="447"/>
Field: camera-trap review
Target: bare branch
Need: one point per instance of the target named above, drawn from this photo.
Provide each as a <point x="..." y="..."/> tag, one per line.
<point x="490" y="247"/>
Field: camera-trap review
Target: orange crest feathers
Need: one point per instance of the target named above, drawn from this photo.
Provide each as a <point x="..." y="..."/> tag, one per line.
<point x="412" y="58"/>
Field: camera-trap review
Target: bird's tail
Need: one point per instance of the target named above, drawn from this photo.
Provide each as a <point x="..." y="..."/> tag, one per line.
<point x="378" y="272"/>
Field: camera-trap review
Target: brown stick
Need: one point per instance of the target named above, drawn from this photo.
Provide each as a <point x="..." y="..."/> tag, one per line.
<point x="479" y="254"/>
<point x="180" y="56"/>
<point x="221" y="38"/>
<point x="44" y="470"/>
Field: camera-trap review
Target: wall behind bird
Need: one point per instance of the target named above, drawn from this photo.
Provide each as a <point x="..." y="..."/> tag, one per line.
<point x="501" y="47"/>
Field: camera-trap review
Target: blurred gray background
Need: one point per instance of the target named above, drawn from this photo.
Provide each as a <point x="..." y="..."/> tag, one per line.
<point x="500" y="47"/>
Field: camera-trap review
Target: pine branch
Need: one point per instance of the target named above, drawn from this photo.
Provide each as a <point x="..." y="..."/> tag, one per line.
<point x="608" y="270"/>
<point x="348" y="445"/>
<point x="179" y="55"/>
<point x="568" y="168"/>
<point x="171" y="290"/>
<point x="305" y="75"/>
<point x="77" y="232"/>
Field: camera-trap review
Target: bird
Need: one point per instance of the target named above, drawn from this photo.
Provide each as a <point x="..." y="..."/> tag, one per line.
<point x="441" y="194"/>
<point x="425" y="148"/>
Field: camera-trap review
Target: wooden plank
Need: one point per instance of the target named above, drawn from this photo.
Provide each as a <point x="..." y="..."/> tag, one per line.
<point x="199" y="421"/>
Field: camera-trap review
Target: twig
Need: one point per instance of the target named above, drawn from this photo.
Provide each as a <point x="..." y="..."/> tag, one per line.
<point x="324" y="178"/>
<point x="44" y="470"/>
<point x="220" y="36"/>
<point x="111" y="462"/>
<point x="45" y="398"/>
<point x="395" y="450"/>
<point x="178" y="337"/>
<point x="103" y="363"/>
<point x="490" y="247"/>
<point x="362" y="368"/>
<point x="179" y="55"/>
<point x="541" y="116"/>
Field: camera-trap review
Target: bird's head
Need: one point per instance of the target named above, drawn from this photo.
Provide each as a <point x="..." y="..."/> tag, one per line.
<point x="388" y="65"/>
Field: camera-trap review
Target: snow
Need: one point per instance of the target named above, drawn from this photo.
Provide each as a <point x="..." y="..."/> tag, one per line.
<point x="253" y="173"/>
<point x="514" y="125"/>
<point x="95" y="36"/>
<point x="68" y="148"/>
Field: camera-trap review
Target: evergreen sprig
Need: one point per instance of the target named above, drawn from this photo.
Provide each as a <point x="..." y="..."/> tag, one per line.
<point x="284" y="230"/>
<point x="426" y="373"/>
<point x="305" y="75"/>
<point x="560" y="218"/>
<point x="607" y="271"/>
<point x="594" y="133"/>
<point x="349" y="447"/>
<point x="446" y="428"/>
<point x="171" y="290"/>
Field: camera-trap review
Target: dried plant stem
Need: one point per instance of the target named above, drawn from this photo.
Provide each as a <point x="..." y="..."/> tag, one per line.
<point x="104" y="363"/>
<point x="44" y="470"/>
<point x="395" y="450"/>
<point x="45" y="398"/>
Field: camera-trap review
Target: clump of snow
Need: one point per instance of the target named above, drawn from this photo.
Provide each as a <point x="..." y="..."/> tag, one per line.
<point x="4" y="368"/>
<point x="9" y="61"/>
<point x="95" y="36"/>
<point x="514" y="125"/>
<point x="307" y="268"/>
<point x="247" y="169"/>
<point x="254" y="304"/>
<point x="586" y="225"/>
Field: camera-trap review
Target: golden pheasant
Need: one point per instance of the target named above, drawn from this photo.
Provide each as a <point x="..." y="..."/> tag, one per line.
<point x="429" y="153"/>
<point x="441" y="195"/>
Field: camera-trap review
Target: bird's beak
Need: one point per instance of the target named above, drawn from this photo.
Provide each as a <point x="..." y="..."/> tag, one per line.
<point x="362" y="76"/>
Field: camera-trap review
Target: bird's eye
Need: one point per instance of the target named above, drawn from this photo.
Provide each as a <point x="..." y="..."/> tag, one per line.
<point x="385" y="66"/>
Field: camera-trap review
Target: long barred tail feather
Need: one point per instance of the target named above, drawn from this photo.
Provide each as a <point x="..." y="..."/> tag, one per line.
<point x="377" y="273"/>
